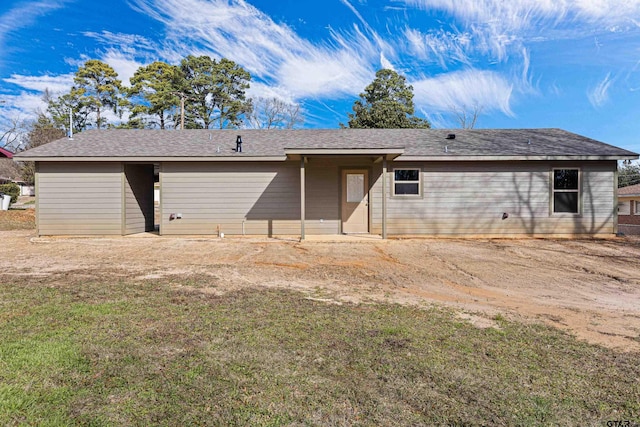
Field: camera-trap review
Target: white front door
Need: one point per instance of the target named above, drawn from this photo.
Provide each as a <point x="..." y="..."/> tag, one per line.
<point x="355" y="201"/>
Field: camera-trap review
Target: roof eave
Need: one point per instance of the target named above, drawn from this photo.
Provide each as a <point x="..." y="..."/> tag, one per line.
<point x="153" y="159"/>
<point x="462" y="158"/>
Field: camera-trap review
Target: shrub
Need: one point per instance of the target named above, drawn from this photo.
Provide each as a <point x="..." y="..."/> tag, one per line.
<point x="11" y="189"/>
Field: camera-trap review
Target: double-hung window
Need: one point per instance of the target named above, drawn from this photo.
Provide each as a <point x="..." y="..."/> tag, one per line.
<point x="407" y="182"/>
<point x="566" y="191"/>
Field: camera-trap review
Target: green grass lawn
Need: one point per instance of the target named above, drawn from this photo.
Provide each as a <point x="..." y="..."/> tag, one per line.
<point x="147" y="353"/>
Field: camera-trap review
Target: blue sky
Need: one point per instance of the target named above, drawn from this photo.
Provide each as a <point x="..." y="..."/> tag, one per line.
<point x="573" y="64"/>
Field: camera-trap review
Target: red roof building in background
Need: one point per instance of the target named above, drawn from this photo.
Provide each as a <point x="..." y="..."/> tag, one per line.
<point x="629" y="209"/>
<point x="4" y="153"/>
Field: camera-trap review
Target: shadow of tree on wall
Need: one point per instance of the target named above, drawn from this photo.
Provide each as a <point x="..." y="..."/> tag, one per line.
<point x="277" y="209"/>
<point x="588" y="222"/>
<point x="595" y="225"/>
<point x="525" y="191"/>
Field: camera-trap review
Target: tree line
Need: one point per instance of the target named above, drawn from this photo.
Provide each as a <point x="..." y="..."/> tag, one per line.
<point x="204" y="93"/>
<point x="198" y="93"/>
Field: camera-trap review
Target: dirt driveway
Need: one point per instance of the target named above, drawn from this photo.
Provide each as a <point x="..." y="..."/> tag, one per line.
<point x="590" y="288"/>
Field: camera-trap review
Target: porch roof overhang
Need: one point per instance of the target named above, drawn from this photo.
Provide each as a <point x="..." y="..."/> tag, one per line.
<point x="388" y="153"/>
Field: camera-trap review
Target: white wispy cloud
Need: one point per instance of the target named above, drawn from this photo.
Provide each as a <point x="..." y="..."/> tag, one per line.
<point x="269" y="50"/>
<point x="55" y="84"/>
<point x="440" y="46"/>
<point x="283" y="64"/>
<point x="358" y="15"/>
<point x="382" y="44"/>
<point x="486" y="89"/>
<point x="25" y="15"/>
<point x="127" y="43"/>
<point x="23" y="106"/>
<point x="498" y="27"/>
<point x="123" y="63"/>
<point x="517" y="15"/>
<point x="599" y="94"/>
<point x="492" y="34"/>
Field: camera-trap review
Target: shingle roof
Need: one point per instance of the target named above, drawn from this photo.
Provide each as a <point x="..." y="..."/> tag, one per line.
<point x="630" y="190"/>
<point x="417" y="143"/>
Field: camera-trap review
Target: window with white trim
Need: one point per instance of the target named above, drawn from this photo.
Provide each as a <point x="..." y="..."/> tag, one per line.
<point x="636" y="208"/>
<point x="624" y="208"/>
<point x="407" y="182"/>
<point x="566" y="191"/>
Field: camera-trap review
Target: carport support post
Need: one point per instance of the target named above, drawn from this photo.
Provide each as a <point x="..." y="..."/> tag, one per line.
<point x="384" y="197"/>
<point x="302" y="197"/>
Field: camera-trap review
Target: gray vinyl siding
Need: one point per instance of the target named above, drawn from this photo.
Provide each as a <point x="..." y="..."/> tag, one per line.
<point x="457" y="198"/>
<point x="264" y="197"/>
<point x="461" y="198"/>
<point x="375" y="198"/>
<point x="138" y="192"/>
<point x="79" y="198"/>
<point x="323" y="198"/>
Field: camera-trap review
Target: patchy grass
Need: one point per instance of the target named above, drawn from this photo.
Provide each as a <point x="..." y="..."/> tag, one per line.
<point x="18" y="219"/>
<point x="142" y="353"/>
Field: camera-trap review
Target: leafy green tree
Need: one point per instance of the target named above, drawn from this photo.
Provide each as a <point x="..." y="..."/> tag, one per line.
<point x="154" y="95"/>
<point x="229" y="97"/>
<point x="97" y="84"/>
<point x="214" y="92"/>
<point x="628" y="174"/>
<point x="387" y="102"/>
<point x="71" y="103"/>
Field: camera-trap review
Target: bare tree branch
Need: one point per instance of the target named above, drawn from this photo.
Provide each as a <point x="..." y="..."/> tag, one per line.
<point x="466" y="116"/>
<point x="273" y="113"/>
<point x="12" y="133"/>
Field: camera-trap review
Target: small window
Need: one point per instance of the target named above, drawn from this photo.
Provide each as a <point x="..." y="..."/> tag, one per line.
<point x="355" y="187"/>
<point x="624" y="208"/>
<point x="406" y="182"/>
<point x="636" y="208"/>
<point x="566" y="191"/>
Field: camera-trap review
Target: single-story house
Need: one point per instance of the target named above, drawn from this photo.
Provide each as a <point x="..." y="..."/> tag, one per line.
<point x="629" y="209"/>
<point x="26" y="189"/>
<point x="387" y="182"/>
<point x="5" y="154"/>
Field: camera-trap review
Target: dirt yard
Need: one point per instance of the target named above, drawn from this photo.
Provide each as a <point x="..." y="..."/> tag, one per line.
<point x="588" y="288"/>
